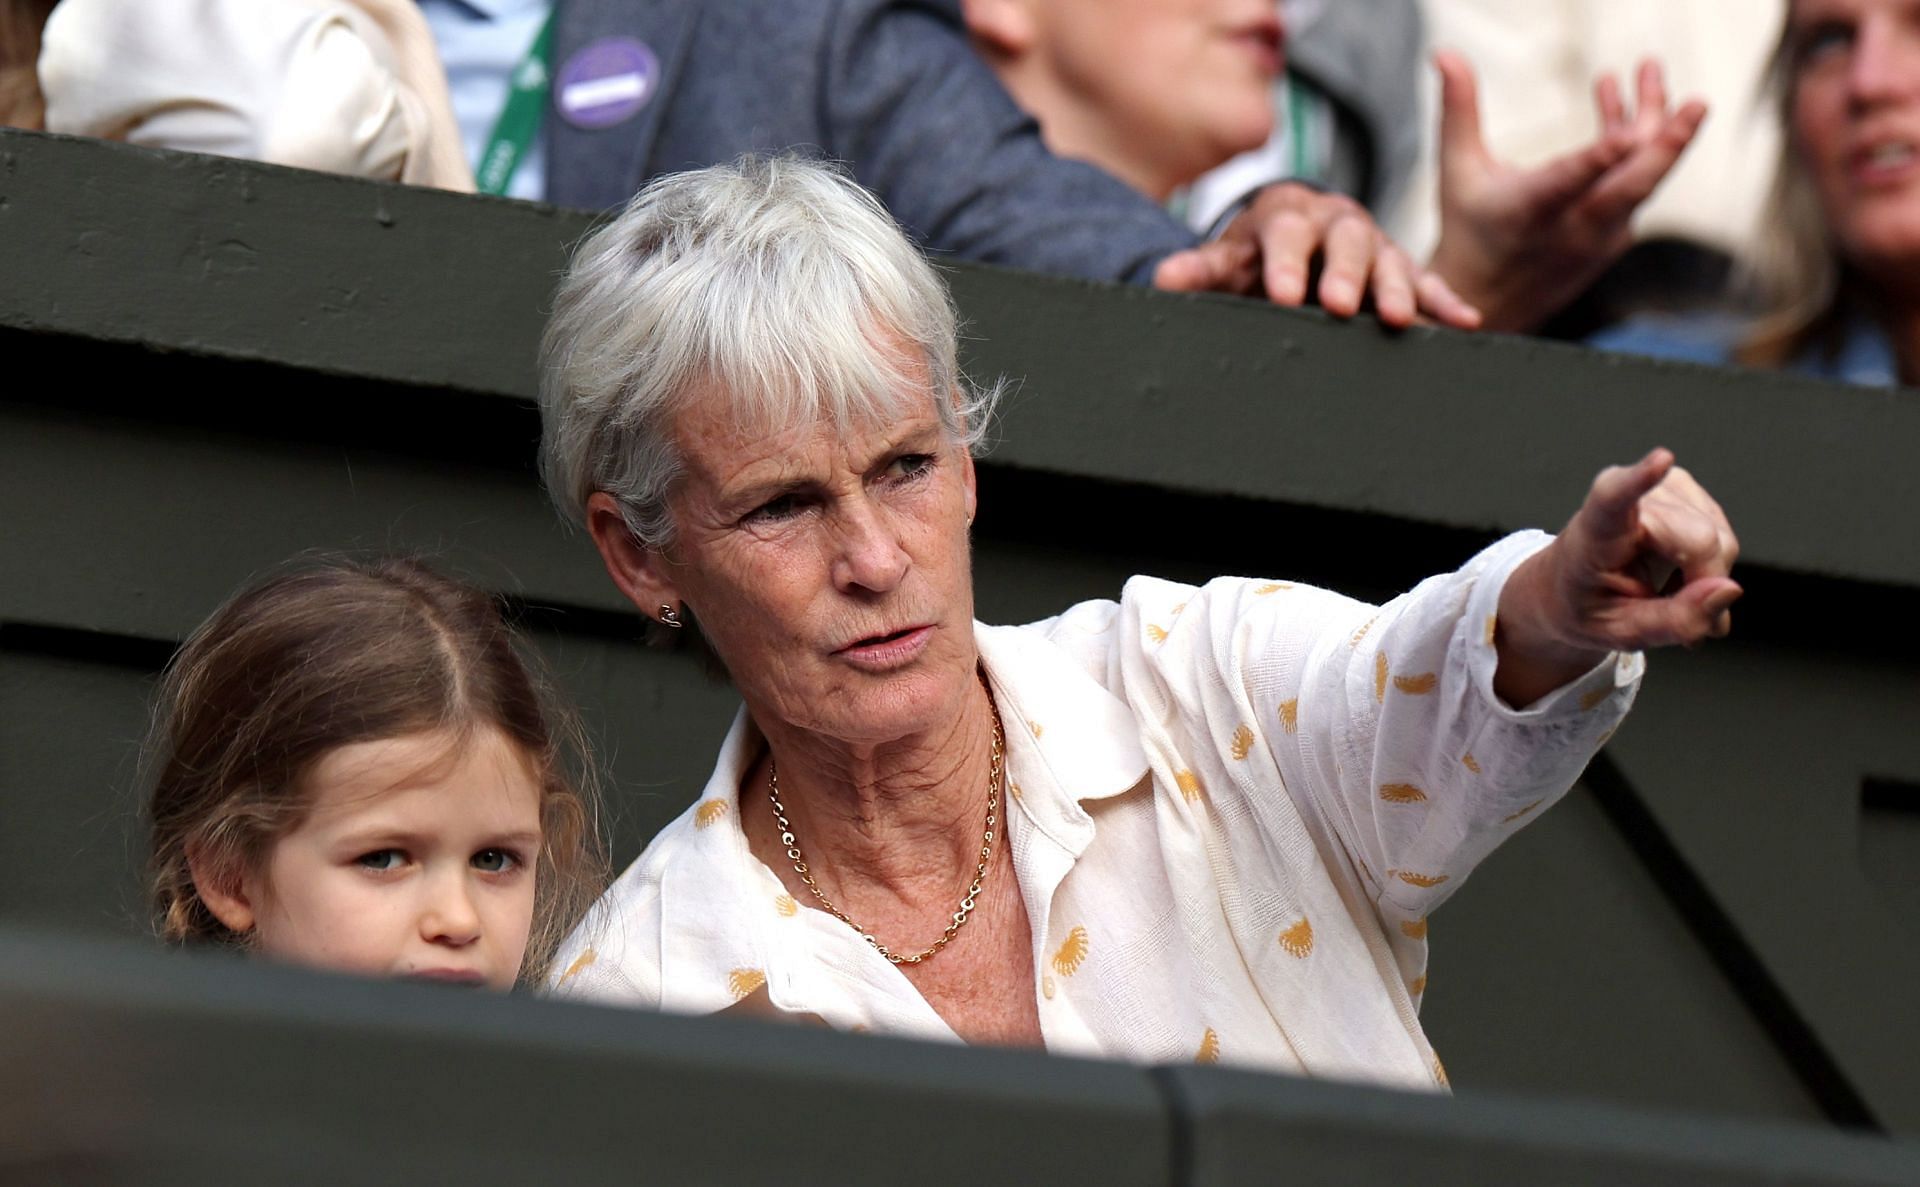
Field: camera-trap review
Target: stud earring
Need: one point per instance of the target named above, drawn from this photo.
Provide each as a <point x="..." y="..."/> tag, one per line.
<point x="670" y="617"/>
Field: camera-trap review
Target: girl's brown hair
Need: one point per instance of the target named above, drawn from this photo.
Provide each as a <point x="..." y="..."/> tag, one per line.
<point x="330" y="653"/>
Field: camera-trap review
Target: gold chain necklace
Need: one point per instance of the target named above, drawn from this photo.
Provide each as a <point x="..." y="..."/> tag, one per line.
<point x="979" y="873"/>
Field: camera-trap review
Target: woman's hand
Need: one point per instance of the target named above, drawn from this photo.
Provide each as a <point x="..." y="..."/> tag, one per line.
<point x="1270" y="247"/>
<point x="1523" y="243"/>
<point x="1643" y="563"/>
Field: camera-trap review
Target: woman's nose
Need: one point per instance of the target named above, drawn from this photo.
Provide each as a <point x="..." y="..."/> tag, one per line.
<point x="448" y="915"/>
<point x="869" y="556"/>
<point x="1886" y="59"/>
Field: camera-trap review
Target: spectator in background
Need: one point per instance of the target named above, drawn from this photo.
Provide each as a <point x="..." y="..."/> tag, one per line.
<point x="346" y="86"/>
<point x="1838" y="270"/>
<point x="1537" y="61"/>
<point x="1147" y="90"/>
<point x="894" y="89"/>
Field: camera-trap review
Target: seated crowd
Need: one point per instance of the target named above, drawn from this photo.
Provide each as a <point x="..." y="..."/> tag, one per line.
<point x="1187" y="821"/>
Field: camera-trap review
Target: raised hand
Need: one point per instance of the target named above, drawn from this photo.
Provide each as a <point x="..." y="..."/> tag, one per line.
<point x="1270" y="248"/>
<point x="1643" y="563"/>
<point x="1522" y="243"/>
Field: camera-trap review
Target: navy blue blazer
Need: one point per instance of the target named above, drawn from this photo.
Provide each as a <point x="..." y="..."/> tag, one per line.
<point x="892" y="88"/>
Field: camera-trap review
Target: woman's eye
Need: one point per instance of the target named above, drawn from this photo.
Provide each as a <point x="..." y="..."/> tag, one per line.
<point x="774" y="510"/>
<point x="494" y="861"/>
<point x="1820" y="43"/>
<point x="910" y="465"/>
<point x="381" y="859"/>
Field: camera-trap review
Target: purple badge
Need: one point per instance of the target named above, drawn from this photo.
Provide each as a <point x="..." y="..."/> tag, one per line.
<point x="606" y="82"/>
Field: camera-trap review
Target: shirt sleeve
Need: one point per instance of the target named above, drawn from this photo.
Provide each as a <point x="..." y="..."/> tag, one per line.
<point x="294" y="82"/>
<point x="1375" y="732"/>
<point x="926" y="126"/>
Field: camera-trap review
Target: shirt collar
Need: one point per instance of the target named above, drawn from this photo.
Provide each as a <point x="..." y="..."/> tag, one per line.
<point x="1069" y="741"/>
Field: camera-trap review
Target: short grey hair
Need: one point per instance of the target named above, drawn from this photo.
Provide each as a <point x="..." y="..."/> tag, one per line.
<point x="773" y="283"/>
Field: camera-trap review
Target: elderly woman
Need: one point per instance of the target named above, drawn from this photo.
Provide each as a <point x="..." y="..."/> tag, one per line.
<point x="1194" y="822"/>
<point x="1839" y="275"/>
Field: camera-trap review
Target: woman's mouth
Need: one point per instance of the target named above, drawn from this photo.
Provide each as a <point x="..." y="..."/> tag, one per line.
<point x="1884" y="162"/>
<point x="884" y="652"/>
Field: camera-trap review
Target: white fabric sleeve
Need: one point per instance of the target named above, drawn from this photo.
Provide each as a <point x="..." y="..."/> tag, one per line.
<point x="307" y="83"/>
<point x="1372" y="734"/>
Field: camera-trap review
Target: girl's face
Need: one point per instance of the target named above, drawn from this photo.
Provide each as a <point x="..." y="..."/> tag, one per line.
<point x="416" y="860"/>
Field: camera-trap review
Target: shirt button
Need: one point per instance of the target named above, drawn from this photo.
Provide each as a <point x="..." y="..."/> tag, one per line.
<point x="1046" y="988"/>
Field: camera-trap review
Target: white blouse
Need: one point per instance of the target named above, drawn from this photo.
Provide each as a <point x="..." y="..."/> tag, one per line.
<point x="1231" y="809"/>
<point x="345" y="86"/>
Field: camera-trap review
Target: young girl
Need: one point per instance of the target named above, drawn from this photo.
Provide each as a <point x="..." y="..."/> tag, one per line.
<point x="358" y="771"/>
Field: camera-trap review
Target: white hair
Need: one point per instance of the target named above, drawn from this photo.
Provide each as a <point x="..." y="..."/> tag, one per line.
<point x="775" y="284"/>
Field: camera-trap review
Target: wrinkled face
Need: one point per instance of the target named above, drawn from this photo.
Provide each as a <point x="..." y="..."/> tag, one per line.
<point x="1856" y="123"/>
<point x="416" y="860"/>
<point x="829" y="569"/>
<point x="1186" y="78"/>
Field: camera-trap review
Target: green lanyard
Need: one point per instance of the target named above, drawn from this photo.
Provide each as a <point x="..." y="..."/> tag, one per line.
<point x="1302" y="151"/>
<point x="519" y="120"/>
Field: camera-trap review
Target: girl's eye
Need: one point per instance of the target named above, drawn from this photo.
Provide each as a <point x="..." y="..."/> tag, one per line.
<point x="381" y="859"/>
<point x="494" y="861"/>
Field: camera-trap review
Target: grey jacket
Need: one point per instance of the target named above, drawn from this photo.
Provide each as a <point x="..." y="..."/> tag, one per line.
<point x="891" y="87"/>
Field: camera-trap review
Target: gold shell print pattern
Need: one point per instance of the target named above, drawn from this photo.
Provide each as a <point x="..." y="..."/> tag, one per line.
<point x="1471" y="763"/>
<point x="1523" y="811"/>
<point x="1361" y="633"/>
<point x="1298" y="939"/>
<point x="1423" y="881"/>
<point x="1175" y="612"/>
<point x="1037" y="728"/>
<point x="582" y="961"/>
<point x="1414" y="929"/>
<point x="1242" y="744"/>
<point x="709" y="812"/>
<point x="1290" y="715"/>
<point x="1419" y="685"/>
<point x="1401" y="793"/>
<point x="786" y="906"/>
<point x="1273" y="587"/>
<point x="1439" y="1072"/>
<point x="1493" y="627"/>
<point x="1418" y="985"/>
<point x="1379" y="675"/>
<point x="1157" y="633"/>
<point x="1189" y="785"/>
<point x="741" y="982"/>
<point x="1072" y="954"/>
<point x="1209" y="1048"/>
<point x="1593" y="699"/>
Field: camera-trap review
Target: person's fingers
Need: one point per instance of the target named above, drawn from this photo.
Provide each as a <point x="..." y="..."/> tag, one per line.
<point x="1607" y="100"/>
<point x="1650" y="102"/>
<point x="1612" y="506"/>
<point x="1221" y="266"/>
<point x="1440" y="302"/>
<point x="1347" y="262"/>
<point x="1288" y="241"/>
<point x="1394" y="299"/>
<point x="1699" y="610"/>
<point x="1564" y="180"/>
<point x="1460" y="137"/>
<point x="1615" y="197"/>
<point x="1681" y="538"/>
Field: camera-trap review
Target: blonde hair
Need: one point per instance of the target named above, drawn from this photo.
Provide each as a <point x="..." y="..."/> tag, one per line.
<point x="329" y="653"/>
<point x="1797" y="275"/>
